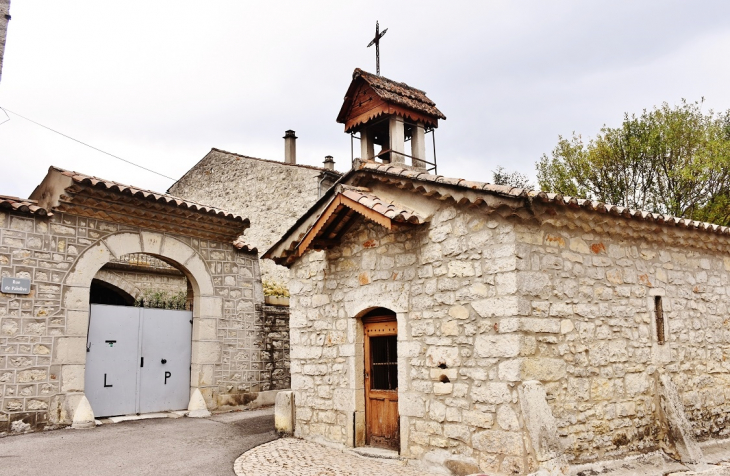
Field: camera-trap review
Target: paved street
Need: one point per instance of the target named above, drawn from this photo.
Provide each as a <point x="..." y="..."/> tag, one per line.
<point x="293" y="457"/>
<point x="183" y="446"/>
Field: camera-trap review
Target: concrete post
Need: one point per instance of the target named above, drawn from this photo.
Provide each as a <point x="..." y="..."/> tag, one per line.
<point x="418" y="146"/>
<point x="367" y="148"/>
<point x="290" y="147"/>
<point x="397" y="140"/>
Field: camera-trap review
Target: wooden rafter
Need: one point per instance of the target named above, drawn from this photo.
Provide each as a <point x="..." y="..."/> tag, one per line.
<point x="332" y="211"/>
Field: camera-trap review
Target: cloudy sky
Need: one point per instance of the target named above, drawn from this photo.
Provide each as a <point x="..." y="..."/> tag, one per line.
<point x="161" y="82"/>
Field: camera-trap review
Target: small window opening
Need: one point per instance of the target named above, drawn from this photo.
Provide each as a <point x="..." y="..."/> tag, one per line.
<point x="442" y="366"/>
<point x="659" y="315"/>
<point x="444" y="379"/>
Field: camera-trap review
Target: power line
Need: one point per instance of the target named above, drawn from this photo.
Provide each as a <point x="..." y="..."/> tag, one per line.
<point x="84" y="143"/>
<point x="6" y="111"/>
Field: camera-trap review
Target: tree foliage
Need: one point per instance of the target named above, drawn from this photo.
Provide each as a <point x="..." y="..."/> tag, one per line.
<point x="514" y="179"/>
<point x="159" y="299"/>
<point x="670" y="160"/>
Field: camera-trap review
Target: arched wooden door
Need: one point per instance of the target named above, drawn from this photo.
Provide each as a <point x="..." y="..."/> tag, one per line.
<point x="381" y="381"/>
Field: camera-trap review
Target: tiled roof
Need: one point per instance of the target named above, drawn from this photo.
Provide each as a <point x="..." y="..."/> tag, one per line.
<point x="399" y="93"/>
<point x="305" y="166"/>
<point x="388" y="209"/>
<point x="553" y="198"/>
<point x="461" y="191"/>
<point x="242" y="245"/>
<point x="147" y="194"/>
<point x="23" y="205"/>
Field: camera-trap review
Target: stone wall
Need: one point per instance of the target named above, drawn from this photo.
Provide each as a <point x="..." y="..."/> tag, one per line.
<point x="43" y="334"/>
<point x="135" y="282"/>
<point x="273" y="195"/>
<point x="593" y="298"/>
<point x="485" y="304"/>
<point x="276" y="345"/>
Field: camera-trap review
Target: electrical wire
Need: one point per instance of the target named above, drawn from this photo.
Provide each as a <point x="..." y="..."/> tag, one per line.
<point x="6" y="111"/>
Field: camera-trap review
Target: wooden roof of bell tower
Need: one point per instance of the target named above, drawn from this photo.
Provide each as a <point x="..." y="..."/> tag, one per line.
<point x="370" y="96"/>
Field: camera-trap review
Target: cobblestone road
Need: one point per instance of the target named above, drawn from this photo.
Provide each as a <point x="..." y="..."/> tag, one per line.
<point x="291" y="456"/>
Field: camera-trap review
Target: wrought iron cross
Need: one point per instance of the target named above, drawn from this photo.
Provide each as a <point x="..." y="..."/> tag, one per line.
<point x="376" y="42"/>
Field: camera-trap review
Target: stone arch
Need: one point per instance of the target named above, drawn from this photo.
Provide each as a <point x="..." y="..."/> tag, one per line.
<point x="70" y="350"/>
<point x="104" y="292"/>
<point x="117" y="281"/>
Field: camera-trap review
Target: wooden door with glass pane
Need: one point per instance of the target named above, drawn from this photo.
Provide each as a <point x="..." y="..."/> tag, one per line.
<point x="381" y="382"/>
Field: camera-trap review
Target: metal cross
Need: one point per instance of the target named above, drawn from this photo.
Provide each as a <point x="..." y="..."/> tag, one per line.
<point x="376" y="42"/>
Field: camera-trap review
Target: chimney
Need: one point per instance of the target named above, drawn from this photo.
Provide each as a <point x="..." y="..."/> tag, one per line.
<point x="329" y="163"/>
<point x="290" y="147"/>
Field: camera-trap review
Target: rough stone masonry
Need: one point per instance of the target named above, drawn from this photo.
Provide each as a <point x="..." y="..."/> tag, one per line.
<point x="495" y="299"/>
<point x="239" y="346"/>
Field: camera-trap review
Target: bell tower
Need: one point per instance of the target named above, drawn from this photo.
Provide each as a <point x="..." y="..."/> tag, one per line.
<point x="384" y="115"/>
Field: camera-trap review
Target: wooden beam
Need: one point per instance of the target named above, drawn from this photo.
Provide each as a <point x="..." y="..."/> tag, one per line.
<point x="332" y="208"/>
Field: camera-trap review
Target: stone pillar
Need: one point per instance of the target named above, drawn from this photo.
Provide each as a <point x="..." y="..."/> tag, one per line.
<point x="397" y="140"/>
<point x="367" y="148"/>
<point x="290" y="147"/>
<point x="418" y="146"/>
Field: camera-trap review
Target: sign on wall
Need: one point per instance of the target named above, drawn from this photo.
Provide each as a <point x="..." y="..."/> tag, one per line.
<point x="15" y="286"/>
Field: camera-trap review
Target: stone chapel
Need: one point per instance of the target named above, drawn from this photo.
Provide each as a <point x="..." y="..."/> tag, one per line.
<point x="479" y="327"/>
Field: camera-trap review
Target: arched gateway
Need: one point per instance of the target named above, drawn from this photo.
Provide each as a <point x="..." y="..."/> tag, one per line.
<point x="75" y="224"/>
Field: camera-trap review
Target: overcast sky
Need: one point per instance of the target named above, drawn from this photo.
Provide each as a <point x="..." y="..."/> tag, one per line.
<point x="162" y="82"/>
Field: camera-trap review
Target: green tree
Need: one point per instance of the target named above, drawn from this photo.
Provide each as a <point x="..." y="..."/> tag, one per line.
<point x="514" y="179"/>
<point x="670" y="160"/>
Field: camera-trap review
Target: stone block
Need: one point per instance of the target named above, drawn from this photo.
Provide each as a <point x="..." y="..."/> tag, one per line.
<point x="209" y="306"/>
<point x="411" y="405"/>
<point x="76" y="298"/>
<point x="200" y="273"/>
<point x="636" y="384"/>
<point x="542" y="428"/>
<point x="72" y="378"/>
<point x="532" y="368"/>
<point x="477" y="418"/>
<point x="491" y="392"/>
<point x="502" y="306"/>
<point x="499" y="442"/>
<point x="206" y="352"/>
<point x="176" y="250"/>
<point x="70" y="350"/>
<point x="459" y="312"/>
<point x="443" y="355"/>
<point x="508" y="345"/>
<point x="507" y="418"/>
<point x="284" y="413"/>
<point x="529" y="324"/>
<point x="77" y="323"/>
<point x="441" y="388"/>
<point x="205" y="329"/>
<point x="151" y="242"/>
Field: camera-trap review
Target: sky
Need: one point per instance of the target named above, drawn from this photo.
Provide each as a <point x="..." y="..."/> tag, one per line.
<point x="161" y="82"/>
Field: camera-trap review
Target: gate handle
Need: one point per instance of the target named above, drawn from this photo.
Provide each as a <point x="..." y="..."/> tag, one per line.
<point x="164" y="361"/>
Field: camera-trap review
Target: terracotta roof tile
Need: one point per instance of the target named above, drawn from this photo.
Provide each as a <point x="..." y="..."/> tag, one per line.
<point x="392" y="210"/>
<point x="23" y="205"/>
<point x="556" y="198"/>
<point x="238" y="243"/>
<point x="147" y="194"/>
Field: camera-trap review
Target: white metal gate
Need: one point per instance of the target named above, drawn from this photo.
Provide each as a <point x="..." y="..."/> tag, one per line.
<point x="137" y="360"/>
